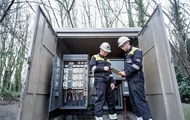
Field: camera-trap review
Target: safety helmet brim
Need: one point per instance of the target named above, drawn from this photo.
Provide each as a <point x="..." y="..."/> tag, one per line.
<point x="105" y="50"/>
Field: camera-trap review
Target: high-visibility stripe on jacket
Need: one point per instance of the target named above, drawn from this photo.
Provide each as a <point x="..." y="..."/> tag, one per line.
<point x="133" y="63"/>
<point x="97" y="64"/>
<point x="100" y="58"/>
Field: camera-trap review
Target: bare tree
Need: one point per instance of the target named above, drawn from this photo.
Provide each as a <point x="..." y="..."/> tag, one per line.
<point x="179" y="31"/>
<point x="88" y="16"/>
<point x="13" y="47"/>
<point x="130" y="16"/>
<point x="108" y="13"/>
<point x="68" y="6"/>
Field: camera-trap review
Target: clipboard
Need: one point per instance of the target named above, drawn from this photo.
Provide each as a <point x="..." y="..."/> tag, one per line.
<point x="115" y="70"/>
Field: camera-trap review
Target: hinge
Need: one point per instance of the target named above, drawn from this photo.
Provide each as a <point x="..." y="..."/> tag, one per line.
<point x="29" y="60"/>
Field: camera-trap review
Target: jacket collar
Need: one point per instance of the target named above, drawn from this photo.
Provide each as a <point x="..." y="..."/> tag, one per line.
<point x="101" y="56"/>
<point x="129" y="50"/>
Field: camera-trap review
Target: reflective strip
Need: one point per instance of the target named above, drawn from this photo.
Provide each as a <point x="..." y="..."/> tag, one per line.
<point x="100" y="58"/>
<point x="98" y="118"/>
<point x="93" y="69"/>
<point x="135" y="66"/>
<point x="138" y="60"/>
<point x="113" y="116"/>
<point x="111" y="75"/>
<point x="133" y="50"/>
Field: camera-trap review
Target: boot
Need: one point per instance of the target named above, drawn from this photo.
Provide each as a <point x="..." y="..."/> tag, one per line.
<point x="113" y="116"/>
<point x="139" y="118"/>
<point x="98" y="118"/>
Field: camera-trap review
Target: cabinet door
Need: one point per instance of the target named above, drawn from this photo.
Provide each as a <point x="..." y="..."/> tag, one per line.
<point x="35" y="97"/>
<point x="160" y="80"/>
<point x="56" y="84"/>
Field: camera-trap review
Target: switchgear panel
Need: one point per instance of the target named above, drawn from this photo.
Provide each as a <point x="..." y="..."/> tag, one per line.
<point x="75" y="81"/>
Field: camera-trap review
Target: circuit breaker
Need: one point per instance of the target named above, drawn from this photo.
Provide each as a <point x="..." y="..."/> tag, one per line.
<point x="75" y="81"/>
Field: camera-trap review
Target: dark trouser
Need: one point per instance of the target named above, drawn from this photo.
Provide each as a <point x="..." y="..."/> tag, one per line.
<point x="138" y="99"/>
<point x="103" y="93"/>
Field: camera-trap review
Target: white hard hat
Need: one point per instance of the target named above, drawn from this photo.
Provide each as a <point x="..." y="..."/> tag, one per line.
<point x="122" y="40"/>
<point x="105" y="46"/>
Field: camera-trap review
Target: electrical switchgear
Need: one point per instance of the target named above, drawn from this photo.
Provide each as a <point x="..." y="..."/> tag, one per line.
<point x="75" y="81"/>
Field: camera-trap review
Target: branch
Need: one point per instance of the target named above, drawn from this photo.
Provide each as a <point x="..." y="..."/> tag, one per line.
<point x="145" y="13"/>
<point x="186" y="69"/>
<point x="170" y="19"/>
<point x="53" y="13"/>
<point x="116" y="15"/>
<point x="30" y="5"/>
<point x="7" y="11"/>
<point x="68" y="9"/>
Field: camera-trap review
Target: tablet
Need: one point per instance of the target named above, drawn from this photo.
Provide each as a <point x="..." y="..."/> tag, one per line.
<point x="115" y="70"/>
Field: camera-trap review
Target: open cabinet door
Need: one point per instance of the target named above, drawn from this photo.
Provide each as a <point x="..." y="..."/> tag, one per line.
<point x="160" y="80"/>
<point x="35" y="97"/>
<point x="56" y="84"/>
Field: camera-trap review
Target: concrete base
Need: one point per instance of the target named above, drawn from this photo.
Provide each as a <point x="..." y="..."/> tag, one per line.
<point x="88" y="115"/>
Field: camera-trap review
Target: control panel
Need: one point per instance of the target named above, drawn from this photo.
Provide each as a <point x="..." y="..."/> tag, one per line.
<point x="75" y="81"/>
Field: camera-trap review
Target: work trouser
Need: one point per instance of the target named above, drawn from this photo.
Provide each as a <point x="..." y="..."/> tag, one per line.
<point x="138" y="99"/>
<point x="103" y="93"/>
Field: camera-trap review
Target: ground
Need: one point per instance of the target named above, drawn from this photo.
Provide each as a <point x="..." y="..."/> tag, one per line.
<point x="186" y="111"/>
<point x="8" y="109"/>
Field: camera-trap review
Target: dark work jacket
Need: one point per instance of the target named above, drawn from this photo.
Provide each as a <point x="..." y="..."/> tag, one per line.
<point x="99" y="62"/>
<point x="133" y="64"/>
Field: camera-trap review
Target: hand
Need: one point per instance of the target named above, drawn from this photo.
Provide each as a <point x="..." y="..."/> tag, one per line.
<point x="106" y="68"/>
<point x="112" y="86"/>
<point x="121" y="74"/>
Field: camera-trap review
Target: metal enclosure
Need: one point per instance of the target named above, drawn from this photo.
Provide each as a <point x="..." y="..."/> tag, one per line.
<point x="161" y="84"/>
<point x="162" y="91"/>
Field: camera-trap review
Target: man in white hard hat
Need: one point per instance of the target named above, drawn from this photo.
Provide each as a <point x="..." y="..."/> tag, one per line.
<point x="135" y="78"/>
<point x="100" y="66"/>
